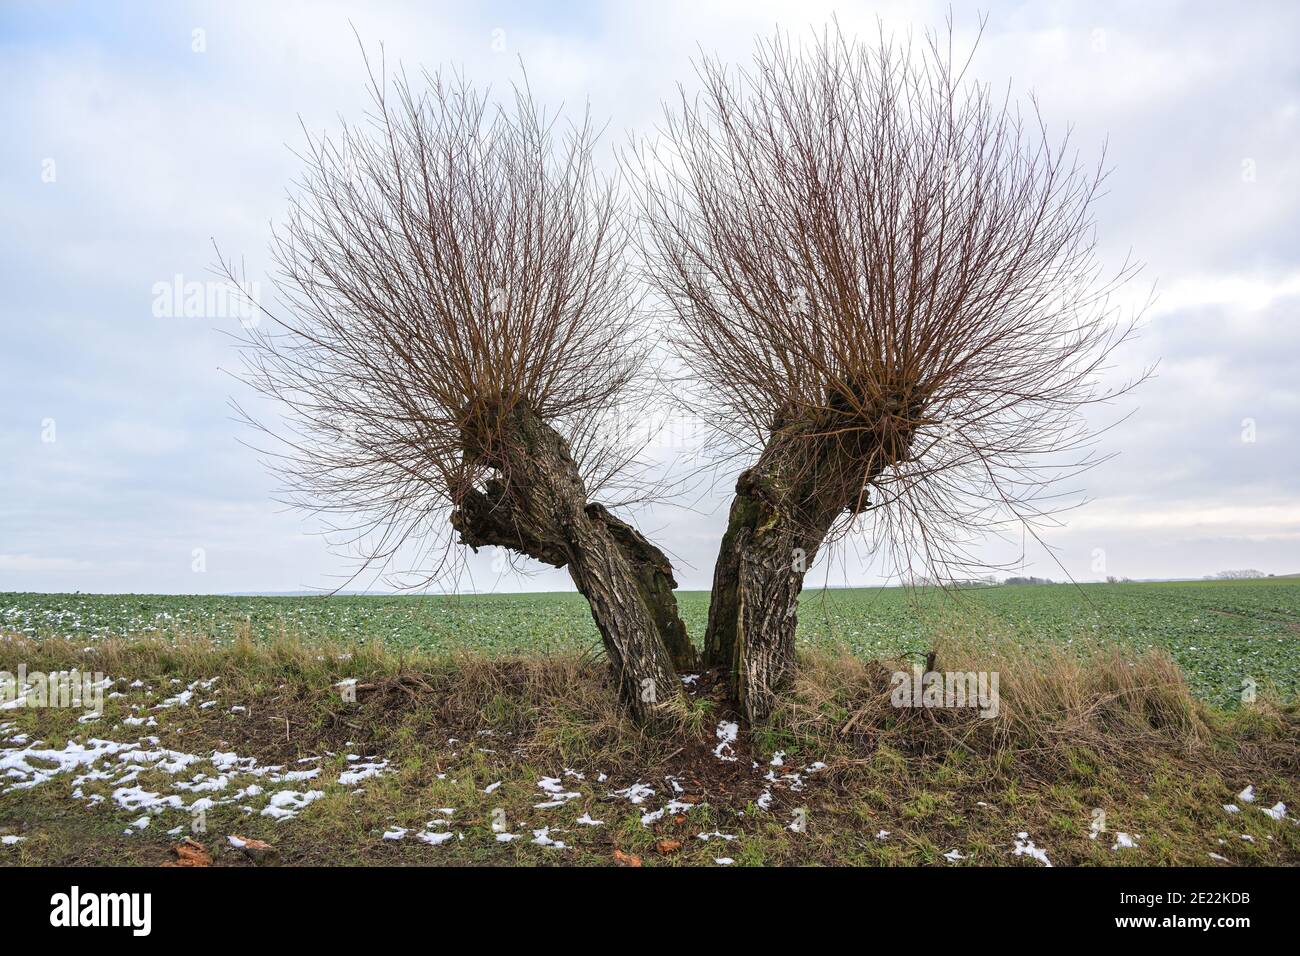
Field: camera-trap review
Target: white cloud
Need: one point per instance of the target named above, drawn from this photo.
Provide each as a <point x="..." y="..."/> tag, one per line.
<point x="30" y="563"/>
<point x="160" y="149"/>
<point x="1250" y="293"/>
<point x="1216" y="518"/>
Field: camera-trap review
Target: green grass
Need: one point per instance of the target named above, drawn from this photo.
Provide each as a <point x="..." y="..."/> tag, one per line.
<point x="1219" y="632"/>
<point x="1159" y="764"/>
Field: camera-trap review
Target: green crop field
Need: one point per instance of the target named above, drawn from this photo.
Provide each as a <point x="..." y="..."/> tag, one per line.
<point x="1220" y="632"/>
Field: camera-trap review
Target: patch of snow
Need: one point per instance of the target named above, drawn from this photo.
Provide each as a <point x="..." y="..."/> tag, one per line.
<point x="285" y="804"/>
<point x="180" y="700"/>
<point x="362" y="771"/>
<point x="553" y="786"/>
<point x="1025" y="847"/>
<point x="202" y="783"/>
<point x="726" y="733"/>
<point x="16" y="764"/>
<point x="136" y="798"/>
<point x="542" y="837"/>
<point x="673" y="806"/>
<point x="636" y="793"/>
<point x="1125" y="841"/>
<point x="295" y="775"/>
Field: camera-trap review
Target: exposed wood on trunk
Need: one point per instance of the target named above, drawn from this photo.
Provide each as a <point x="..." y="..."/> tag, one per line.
<point x="539" y="507"/>
<point x="654" y="576"/>
<point x="720" y="638"/>
<point x="785" y="506"/>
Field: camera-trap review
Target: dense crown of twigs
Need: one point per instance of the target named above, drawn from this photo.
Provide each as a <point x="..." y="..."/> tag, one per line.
<point x="853" y="238"/>
<point x="441" y="264"/>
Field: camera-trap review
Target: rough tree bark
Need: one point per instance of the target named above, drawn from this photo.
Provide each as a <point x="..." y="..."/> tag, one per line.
<point x="785" y="505"/>
<point x="772" y="536"/>
<point x="539" y="507"/>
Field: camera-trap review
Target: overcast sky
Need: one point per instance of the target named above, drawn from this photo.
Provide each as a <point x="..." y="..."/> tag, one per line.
<point x="135" y="137"/>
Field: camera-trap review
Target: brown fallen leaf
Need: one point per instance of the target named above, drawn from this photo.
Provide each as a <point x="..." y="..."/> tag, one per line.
<point x="259" y="851"/>
<point x="668" y="846"/>
<point x="626" y="859"/>
<point x="190" y="853"/>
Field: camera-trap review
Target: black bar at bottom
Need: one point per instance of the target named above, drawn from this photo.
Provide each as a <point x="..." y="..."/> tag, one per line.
<point x="333" y="907"/>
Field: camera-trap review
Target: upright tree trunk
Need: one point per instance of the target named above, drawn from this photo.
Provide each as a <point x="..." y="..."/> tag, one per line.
<point x="768" y="547"/>
<point x="784" y="507"/>
<point x="539" y="507"/>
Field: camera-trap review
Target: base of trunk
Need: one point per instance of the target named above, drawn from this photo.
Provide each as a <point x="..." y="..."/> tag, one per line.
<point x="753" y="612"/>
<point x="538" y="506"/>
<point x="783" y="510"/>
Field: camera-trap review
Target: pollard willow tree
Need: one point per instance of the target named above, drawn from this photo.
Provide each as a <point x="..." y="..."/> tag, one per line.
<point x="883" y="282"/>
<point x="458" y="326"/>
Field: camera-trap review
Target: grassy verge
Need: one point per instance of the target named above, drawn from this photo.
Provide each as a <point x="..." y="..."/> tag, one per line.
<point x="1220" y="633"/>
<point x="467" y="750"/>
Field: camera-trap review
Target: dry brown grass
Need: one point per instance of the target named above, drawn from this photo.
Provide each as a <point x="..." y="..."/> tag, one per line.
<point x="1055" y="704"/>
<point x="1074" y="732"/>
<point x="555" y="704"/>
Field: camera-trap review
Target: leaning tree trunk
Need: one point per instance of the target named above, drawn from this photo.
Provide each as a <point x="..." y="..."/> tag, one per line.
<point x="784" y="508"/>
<point x="539" y="507"/>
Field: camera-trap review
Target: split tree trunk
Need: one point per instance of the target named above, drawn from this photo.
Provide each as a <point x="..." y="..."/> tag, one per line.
<point x="539" y="507"/>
